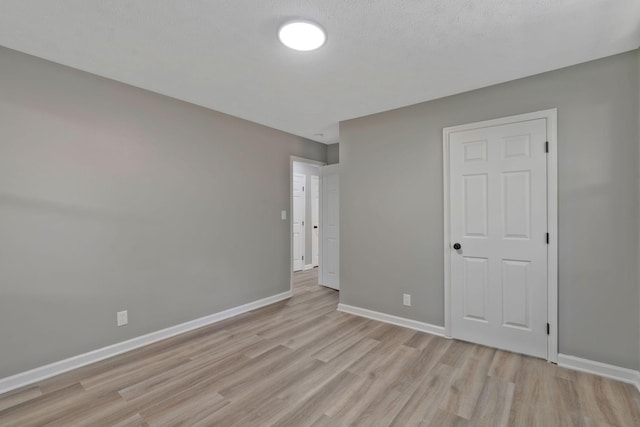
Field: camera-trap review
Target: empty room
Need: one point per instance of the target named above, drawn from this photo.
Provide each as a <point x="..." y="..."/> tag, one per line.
<point x="320" y="213"/>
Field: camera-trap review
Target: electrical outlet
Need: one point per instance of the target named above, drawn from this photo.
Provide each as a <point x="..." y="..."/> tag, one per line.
<point x="406" y="300"/>
<point x="283" y="215"/>
<point x="122" y="317"/>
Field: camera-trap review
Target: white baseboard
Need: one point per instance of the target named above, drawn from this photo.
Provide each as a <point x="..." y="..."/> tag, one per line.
<point x="307" y="267"/>
<point x="38" y="374"/>
<point x="394" y="320"/>
<point x="602" y="369"/>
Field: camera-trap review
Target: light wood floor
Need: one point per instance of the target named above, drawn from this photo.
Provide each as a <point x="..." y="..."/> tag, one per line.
<point x="300" y="362"/>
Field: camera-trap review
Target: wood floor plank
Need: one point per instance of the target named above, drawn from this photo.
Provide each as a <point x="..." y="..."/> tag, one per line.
<point x="89" y="410"/>
<point x="390" y="340"/>
<point x="338" y="346"/>
<point x="326" y="421"/>
<point x="505" y="365"/>
<point x="426" y="399"/>
<point x="319" y="333"/>
<point x="246" y="399"/>
<point x="132" y="421"/>
<point x="443" y="418"/>
<point x="419" y="340"/>
<point x="300" y="362"/>
<point x="541" y="397"/>
<point x="182" y="376"/>
<point x="328" y="395"/>
<point x="296" y="390"/>
<point x="598" y="402"/>
<point x="184" y="409"/>
<point x="461" y="398"/>
<point x="314" y="379"/>
<point x="377" y="385"/>
<point x="44" y="408"/>
<point x="494" y="404"/>
<point x="384" y="409"/>
<point x="428" y="357"/>
<point x="18" y="396"/>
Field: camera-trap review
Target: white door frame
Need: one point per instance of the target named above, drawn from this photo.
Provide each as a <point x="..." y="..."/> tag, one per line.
<point x="296" y="159"/>
<point x="315" y="220"/>
<point x="301" y="210"/>
<point x="551" y="117"/>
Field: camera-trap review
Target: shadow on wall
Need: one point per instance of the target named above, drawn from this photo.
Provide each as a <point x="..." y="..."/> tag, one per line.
<point x="333" y="154"/>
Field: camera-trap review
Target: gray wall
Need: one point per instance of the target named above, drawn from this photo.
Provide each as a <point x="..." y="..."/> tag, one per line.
<point x="115" y="198"/>
<point x="309" y="171"/>
<point x="391" y="201"/>
<point x="333" y="154"/>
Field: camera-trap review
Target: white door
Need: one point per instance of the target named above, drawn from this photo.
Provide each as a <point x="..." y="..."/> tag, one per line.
<point x="498" y="216"/>
<point x="330" y="228"/>
<point x="315" y="219"/>
<point x="298" y="221"/>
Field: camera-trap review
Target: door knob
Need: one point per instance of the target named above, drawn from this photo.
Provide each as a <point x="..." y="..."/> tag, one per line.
<point x="457" y="246"/>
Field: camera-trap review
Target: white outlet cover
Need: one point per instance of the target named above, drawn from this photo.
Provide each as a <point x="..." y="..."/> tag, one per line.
<point x="406" y="299"/>
<point x="122" y="317"/>
<point x="283" y="215"/>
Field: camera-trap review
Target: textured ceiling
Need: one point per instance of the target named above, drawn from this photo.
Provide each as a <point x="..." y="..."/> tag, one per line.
<point x="224" y="54"/>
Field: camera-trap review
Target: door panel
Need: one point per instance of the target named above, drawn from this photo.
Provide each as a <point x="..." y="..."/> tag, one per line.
<point x="475" y="151"/>
<point x="476" y="280"/>
<point x="516" y="196"/>
<point x="515" y="294"/>
<point x="475" y="205"/>
<point x="498" y="214"/>
<point x="516" y="146"/>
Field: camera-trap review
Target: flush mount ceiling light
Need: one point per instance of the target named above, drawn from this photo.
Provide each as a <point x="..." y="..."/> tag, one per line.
<point x="302" y="35"/>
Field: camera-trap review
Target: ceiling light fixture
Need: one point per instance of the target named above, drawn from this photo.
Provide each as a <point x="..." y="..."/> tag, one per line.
<point x="302" y="35"/>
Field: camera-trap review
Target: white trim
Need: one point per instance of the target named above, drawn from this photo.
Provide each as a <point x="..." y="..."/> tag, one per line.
<point x="625" y="375"/>
<point x="394" y="320"/>
<point x="307" y="161"/>
<point x="303" y="235"/>
<point x="315" y="188"/>
<point x="307" y="267"/>
<point x="43" y="372"/>
<point x="551" y="116"/>
<point x="552" y="227"/>
<point x="447" y="245"/>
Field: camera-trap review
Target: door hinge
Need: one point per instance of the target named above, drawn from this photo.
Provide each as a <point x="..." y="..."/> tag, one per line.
<point x="303" y="226"/>
<point x="303" y="257"/>
<point x="547" y="238"/>
<point x="548" y="329"/>
<point x="546" y="147"/>
<point x="303" y="188"/>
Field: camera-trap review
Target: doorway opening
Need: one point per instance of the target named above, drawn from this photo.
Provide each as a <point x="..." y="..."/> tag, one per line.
<point x="305" y="216"/>
<point x="314" y="222"/>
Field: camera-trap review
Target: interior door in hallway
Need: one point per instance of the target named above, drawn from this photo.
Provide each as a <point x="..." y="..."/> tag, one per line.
<point x="315" y="220"/>
<point x="298" y="220"/>
<point x="330" y="228"/>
